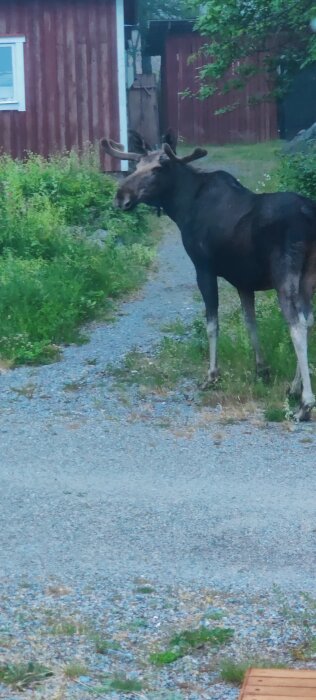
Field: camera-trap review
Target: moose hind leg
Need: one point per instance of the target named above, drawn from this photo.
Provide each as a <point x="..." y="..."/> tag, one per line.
<point x="292" y="308"/>
<point x="296" y="386"/>
<point x="247" y="299"/>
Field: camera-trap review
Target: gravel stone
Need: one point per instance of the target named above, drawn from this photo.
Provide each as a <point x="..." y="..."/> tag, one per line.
<point x="98" y="499"/>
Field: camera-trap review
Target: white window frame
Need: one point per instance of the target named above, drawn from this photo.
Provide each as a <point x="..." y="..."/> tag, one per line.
<point x="16" y="43"/>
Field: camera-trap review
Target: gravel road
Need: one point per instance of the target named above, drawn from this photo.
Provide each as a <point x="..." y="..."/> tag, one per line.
<point x="95" y="493"/>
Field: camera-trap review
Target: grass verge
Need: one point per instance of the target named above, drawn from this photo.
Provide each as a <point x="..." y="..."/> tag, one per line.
<point x="182" y="357"/>
<point x="55" y="273"/>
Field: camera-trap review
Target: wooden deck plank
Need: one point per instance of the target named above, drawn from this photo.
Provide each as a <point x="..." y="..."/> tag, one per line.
<point x="279" y="684"/>
<point x="282" y="681"/>
<point x="258" y="696"/>
<point x="281" y="690"/>
<point x="286" y="672"/>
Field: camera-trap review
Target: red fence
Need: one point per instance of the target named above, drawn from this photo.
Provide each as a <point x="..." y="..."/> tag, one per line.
<point x="194" y="119"/>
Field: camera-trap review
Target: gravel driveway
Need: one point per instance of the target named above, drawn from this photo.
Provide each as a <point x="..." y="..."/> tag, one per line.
<point x="95" y="493"/>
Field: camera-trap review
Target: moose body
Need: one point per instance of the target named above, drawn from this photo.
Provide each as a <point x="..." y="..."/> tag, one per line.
<point x="254" y="241"/>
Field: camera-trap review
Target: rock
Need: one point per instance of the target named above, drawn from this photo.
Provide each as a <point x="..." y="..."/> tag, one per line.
<point x="99" y="237"/>
<point x="303" y="141"/>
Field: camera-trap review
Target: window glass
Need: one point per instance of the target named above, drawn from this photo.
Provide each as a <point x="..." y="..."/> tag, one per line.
<point x="6" y="73"/>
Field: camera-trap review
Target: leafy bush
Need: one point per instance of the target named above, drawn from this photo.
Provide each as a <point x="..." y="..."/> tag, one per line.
<point x="52" y="276"/>
<point x="298" y="173"/>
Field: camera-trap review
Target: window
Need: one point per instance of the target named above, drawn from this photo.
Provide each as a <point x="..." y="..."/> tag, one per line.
<point x="12" y="88"/>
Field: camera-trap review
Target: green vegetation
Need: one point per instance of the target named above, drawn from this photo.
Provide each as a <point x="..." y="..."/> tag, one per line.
<point x="254" y="164"/>
<point x="234" y="671"/>
<point x="66" y="626"/>
<point x="103" y="646"/>
<point x="53" y="277"/>
<point x="184" y="357"/>
<point x="297" y="173"/>
<point x="145" y="590"/>
<point x="75" y="669"/>
<point x="23" y="675"/>
<point x="235" y="33"/>
<point x="185" y="642"/>
<point x="118" y="683"/>
<point x="303" y="622"/>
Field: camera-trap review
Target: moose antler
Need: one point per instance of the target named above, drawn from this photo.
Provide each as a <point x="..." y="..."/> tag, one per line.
<point x="115" y="150"/>
<point x="195" y="155"/>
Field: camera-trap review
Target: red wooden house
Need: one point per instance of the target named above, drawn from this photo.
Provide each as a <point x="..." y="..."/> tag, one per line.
<point x="62" y="74"/>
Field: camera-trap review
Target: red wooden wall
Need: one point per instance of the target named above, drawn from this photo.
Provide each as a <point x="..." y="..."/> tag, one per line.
<point x="70" y="74"/>
<point x="194" y="119"/>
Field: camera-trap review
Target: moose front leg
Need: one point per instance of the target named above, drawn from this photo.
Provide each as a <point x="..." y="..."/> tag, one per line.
<point x="207" y="283"/>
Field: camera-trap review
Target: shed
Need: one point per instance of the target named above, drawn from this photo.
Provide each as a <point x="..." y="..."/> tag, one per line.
<point x="206" y="121"/>
<point x="62" y="74"/>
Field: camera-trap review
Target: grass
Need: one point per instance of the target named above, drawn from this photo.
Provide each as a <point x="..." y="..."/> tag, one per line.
<point x="23" y="675"/>
<point x="66" y="627"/>
<point x="303" y="622"/>
<point x="75" y="669"/>
<point x="145" y="590"/>
<point x="103" y="646"/>
<point x="251" y="163"/>
<point x="53" y="276"/>
<point x="186" y="641"/>
<point x="234" y="671"/>
<point x="183" y="357"/>
<point x="118" y="684"/>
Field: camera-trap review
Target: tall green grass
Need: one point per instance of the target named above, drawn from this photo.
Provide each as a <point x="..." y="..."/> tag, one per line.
<point x="52" y="277"/>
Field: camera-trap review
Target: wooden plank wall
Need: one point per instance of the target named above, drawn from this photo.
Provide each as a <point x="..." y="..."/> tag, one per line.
<point x="70" y="74"/>
<point x="194" y="119"/>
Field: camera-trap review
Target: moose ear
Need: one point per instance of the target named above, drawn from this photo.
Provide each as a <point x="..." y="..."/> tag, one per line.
<point x="171" y="139"/>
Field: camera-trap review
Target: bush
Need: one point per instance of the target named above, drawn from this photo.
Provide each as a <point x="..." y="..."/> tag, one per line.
<point x="52" y="277"/>
<point x="298" y="173"/>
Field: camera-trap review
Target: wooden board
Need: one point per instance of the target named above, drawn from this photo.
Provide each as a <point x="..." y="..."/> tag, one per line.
<point x="279" y="684"/>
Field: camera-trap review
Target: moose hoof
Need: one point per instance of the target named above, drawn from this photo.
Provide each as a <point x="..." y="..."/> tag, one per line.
<point x="212" y="379"/>
<point x="305" y="410"/>
<point x="263" y="372"/>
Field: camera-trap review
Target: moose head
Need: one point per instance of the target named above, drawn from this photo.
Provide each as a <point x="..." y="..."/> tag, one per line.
<point x="154" y="175"/>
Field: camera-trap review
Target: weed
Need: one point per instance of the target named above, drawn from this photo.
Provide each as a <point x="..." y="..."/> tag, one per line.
<point x="214" y="615"/>
<point x="302" y="619"/>
<point x="66" y="627"/>
<point x="23" y="675"/>
<point x="118" y="683"/>
<point x="305" y="651"/>
<point x="75" y="669"/>
<point x="28" y="390"/>
<point x="234" y="671"/>
<point x="145" y="590"/>
<point x="274" y="414"/>
<point x="103" y="646"/>
<point x="186" y="641"/>
<point x="72" y="386"/>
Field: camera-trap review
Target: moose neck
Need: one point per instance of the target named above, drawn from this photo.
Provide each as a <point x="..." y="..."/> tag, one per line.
<point x="177" y="201"/>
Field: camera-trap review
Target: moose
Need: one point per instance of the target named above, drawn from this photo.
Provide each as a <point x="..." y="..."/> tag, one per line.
<point x="254" y="241"/>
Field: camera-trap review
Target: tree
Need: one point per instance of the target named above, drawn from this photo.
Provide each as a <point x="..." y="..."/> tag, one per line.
<point x="282" y="30"/>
